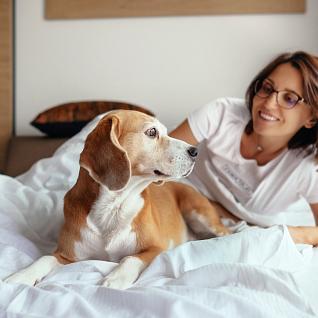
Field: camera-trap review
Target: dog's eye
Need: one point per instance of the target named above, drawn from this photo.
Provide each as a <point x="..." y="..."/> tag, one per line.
<point x="152" y="132"/>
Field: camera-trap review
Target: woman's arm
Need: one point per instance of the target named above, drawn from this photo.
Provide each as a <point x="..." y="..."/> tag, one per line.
<point x="306" y="234"/>
<point x="314" y="208"/>
<point x="183" y="132"/>
<point x="300" y="234"/>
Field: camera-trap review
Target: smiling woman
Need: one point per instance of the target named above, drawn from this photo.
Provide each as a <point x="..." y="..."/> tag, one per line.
<point x="298" y="98"/>
<point x="258" y="157"/>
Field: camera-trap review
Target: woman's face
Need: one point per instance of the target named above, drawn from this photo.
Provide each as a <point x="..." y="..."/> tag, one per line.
<point x="270" y="119"/>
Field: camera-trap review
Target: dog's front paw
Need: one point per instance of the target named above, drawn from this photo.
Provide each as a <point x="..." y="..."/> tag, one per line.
<point x="117" y="281"/>
<point x="125" y="274"/>
<point x="220" y="230"/>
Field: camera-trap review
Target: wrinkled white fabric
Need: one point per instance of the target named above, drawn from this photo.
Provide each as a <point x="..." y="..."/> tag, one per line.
<point x="254" y="273"/>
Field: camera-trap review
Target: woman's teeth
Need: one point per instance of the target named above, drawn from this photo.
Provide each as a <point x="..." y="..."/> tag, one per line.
<point x="268" y="117"/>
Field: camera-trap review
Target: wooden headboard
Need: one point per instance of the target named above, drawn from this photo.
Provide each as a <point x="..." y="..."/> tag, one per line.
<point x="6" y="77"/>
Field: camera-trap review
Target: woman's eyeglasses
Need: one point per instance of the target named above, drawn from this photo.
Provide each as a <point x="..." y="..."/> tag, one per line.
<point x="285" y="99"/>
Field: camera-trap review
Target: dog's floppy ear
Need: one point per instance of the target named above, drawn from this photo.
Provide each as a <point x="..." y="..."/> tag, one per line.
<point x="104" y="158"/>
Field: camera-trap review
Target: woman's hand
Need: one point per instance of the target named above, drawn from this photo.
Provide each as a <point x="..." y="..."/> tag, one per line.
<point x="304" y="234"/>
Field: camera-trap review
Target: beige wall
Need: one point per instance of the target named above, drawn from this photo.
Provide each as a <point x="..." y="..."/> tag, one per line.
<point x="171" y="64"/>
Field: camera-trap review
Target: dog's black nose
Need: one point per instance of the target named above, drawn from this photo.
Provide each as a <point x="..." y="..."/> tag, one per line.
<point x="193" y="152"/>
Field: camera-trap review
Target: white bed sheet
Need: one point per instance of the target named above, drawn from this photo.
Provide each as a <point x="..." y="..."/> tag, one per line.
<point x="254" y="273"/>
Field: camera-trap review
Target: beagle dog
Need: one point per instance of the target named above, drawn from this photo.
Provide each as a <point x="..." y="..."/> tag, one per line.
<point x="116" y="212"/>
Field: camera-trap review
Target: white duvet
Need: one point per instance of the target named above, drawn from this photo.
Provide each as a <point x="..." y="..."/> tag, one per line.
<point x="254" y="273"/>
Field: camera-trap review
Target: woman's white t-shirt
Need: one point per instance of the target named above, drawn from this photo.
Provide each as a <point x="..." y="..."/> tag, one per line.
<point x="275" y="193"/>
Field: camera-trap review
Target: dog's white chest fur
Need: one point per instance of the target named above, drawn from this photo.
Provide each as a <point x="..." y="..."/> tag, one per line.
<point x="109" y="235"/>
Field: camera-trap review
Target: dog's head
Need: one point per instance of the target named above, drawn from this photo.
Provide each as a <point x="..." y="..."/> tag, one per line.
<point x="130" y="143"/>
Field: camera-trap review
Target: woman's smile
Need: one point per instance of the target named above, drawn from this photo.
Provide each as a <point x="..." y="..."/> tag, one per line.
<point x="268" y="117"/>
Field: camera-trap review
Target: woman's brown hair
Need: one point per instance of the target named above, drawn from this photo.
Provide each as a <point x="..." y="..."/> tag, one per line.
<point x="307" y="65"/>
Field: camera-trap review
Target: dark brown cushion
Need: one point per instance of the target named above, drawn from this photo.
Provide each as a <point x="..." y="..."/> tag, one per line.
<point x="66" y="120"/>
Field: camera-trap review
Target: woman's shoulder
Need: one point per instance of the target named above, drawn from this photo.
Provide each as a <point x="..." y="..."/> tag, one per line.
<point x="229" y="106"/>
<point x="231" y="109"/>
<point x="230" y="101"/>
<point x="216" y="116"/>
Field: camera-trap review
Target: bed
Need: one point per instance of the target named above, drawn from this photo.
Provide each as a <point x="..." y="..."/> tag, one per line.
<point x="255" y="273"/>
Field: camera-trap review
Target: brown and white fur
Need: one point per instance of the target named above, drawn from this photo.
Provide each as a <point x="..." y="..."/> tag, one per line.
<point x="116" y="213"/>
